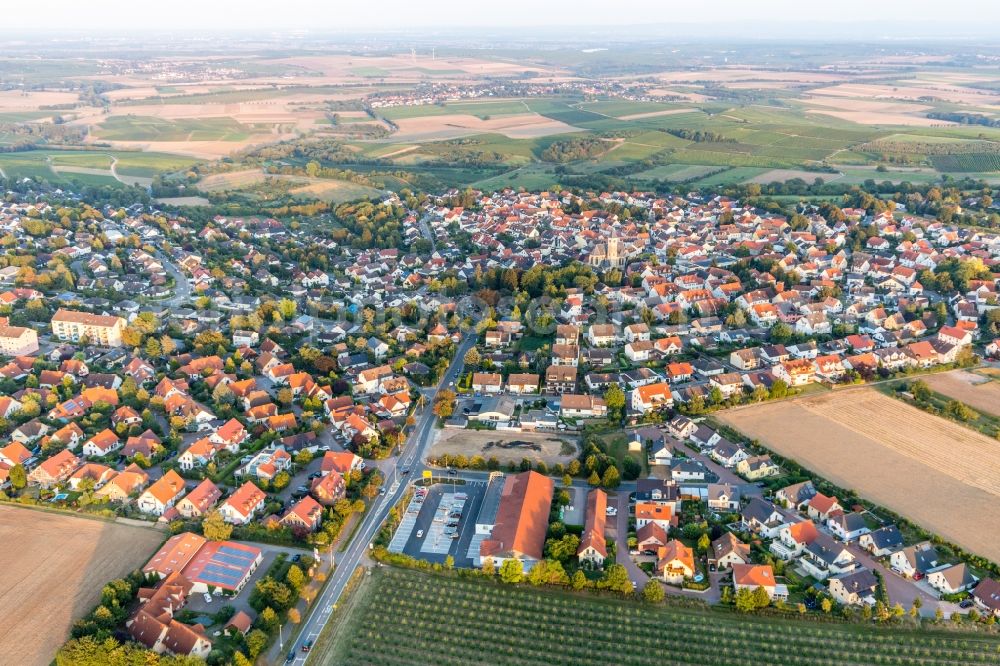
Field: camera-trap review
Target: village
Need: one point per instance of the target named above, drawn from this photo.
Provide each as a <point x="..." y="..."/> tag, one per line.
<point x="250" y="386"/>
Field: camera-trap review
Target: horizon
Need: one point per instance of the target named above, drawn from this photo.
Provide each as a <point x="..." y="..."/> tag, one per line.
<point x="779" y="19"/>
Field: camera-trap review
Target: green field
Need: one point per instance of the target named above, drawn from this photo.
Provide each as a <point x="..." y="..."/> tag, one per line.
<point x="38" y="164"/>
<point x="407" y="617"/>
<point x="150" y="128"/>
<point x="500" y="107"/>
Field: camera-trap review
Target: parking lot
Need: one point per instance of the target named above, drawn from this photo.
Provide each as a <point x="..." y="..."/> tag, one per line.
<point x="440" y="514"/>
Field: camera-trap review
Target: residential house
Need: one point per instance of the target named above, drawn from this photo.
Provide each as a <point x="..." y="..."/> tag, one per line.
<point x="847" y="526"/>
<point x="728" y="551"/>
<point x="593" y="548"/>
<point x="920" y="558"/>
<point x="652" y="397"/>
<point x="820" y="507"/>
<point x="825" y="557"/>
<point x="882" y="542"/>
<point x="306" y="514"/>
<point x="859" y="587"/>
<point x="952" y="578"/>
<point x="675" y="562"/>
<point x="240" y="507"/>
<point x="723" y="497"/>
<point x="329" y="488"/>
<point x="761" y="517"/>
<point x="752" y="576"/>
<point x="162" y="495"/>
<point x="796" y="496"/>
<point x="199" y="501"/>
<point x="661" y="514"/>
<point x="757" y="467"/>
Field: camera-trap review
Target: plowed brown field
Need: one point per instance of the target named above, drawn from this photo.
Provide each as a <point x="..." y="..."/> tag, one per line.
<point x="54" y="567"/>
<point x="939" y="474"/>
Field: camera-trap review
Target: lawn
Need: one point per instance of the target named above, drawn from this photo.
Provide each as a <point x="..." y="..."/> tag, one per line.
<point x="437" y="619"/>
<point x="617" y="446"/>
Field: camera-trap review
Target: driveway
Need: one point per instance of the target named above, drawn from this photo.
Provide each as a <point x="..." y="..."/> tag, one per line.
<point x="903" y="590"/>
<point x="635" y="573"/>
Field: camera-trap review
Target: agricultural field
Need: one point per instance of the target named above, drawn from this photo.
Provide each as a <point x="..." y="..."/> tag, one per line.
<point x="91" y="167"/>
<point x="445" y="620"/>
<point x="939" y="474"/>
<point x="766" y="124"/>
<point x="979" y="392"/>
<point x="149" y="128"/>
<point x="54" y="568"/>
<point x="537" y="447"/>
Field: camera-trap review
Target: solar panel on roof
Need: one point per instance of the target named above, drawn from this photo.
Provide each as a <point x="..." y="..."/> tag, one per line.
<point x="219" y="580"/>
<point x="236" y="552"/>
<point x="229" y="559"/>
<point x="220" y="573"/>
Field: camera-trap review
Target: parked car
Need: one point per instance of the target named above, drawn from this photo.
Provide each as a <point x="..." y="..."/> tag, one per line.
<point x="420" y="534"/>
<point x="612" y="511"/>
<point x="965" y="603"/>
<point x="208" y="598"/>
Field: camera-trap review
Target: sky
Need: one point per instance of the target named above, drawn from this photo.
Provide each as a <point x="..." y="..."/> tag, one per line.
<point x="757" y="17"/>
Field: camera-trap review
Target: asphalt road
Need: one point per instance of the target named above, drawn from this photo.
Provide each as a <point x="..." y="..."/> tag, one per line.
<point x="412" y="456"/>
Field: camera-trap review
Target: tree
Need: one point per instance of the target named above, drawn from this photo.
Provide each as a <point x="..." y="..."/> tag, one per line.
<point x="780" y="333"/>
<point x="444" y="404"/>
<point x="268" y="619"/>
<point x="472" y="358"/>
<point x="761" y="598"/>
<point x="295" y="578"/>
<point x="562" y="549"/>
<point x="652" y="592"/>
<point x="704" y="543"/>
<point x="215" y="528"/>
<point x="287" y="309"/>
<point x="594" y="479"/>
<point x="153" y="348"/>
<point x="744" y="600"/>
<point x="18" y="477"/>
<point x="616" y="579"/>
<point x="511" y="571"/>
<point x="920" y="391"/>
<point x="779" y="389"/>
<point x="579" y="580"/>
<point x="614" y="397"/>
<point x="826" y="605"/>
<point x="611" y="477"/>
<point x="256" y="641"/>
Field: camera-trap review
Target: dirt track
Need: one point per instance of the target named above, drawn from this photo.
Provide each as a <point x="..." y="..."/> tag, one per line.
<point x="941" y="475"/>
<point x="54" y="567"/>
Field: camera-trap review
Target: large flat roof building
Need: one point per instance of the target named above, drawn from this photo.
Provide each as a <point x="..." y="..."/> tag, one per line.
<point x="522" y="521"/>
<point x="222" y="564"/>
<point x="98" y="329"/>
